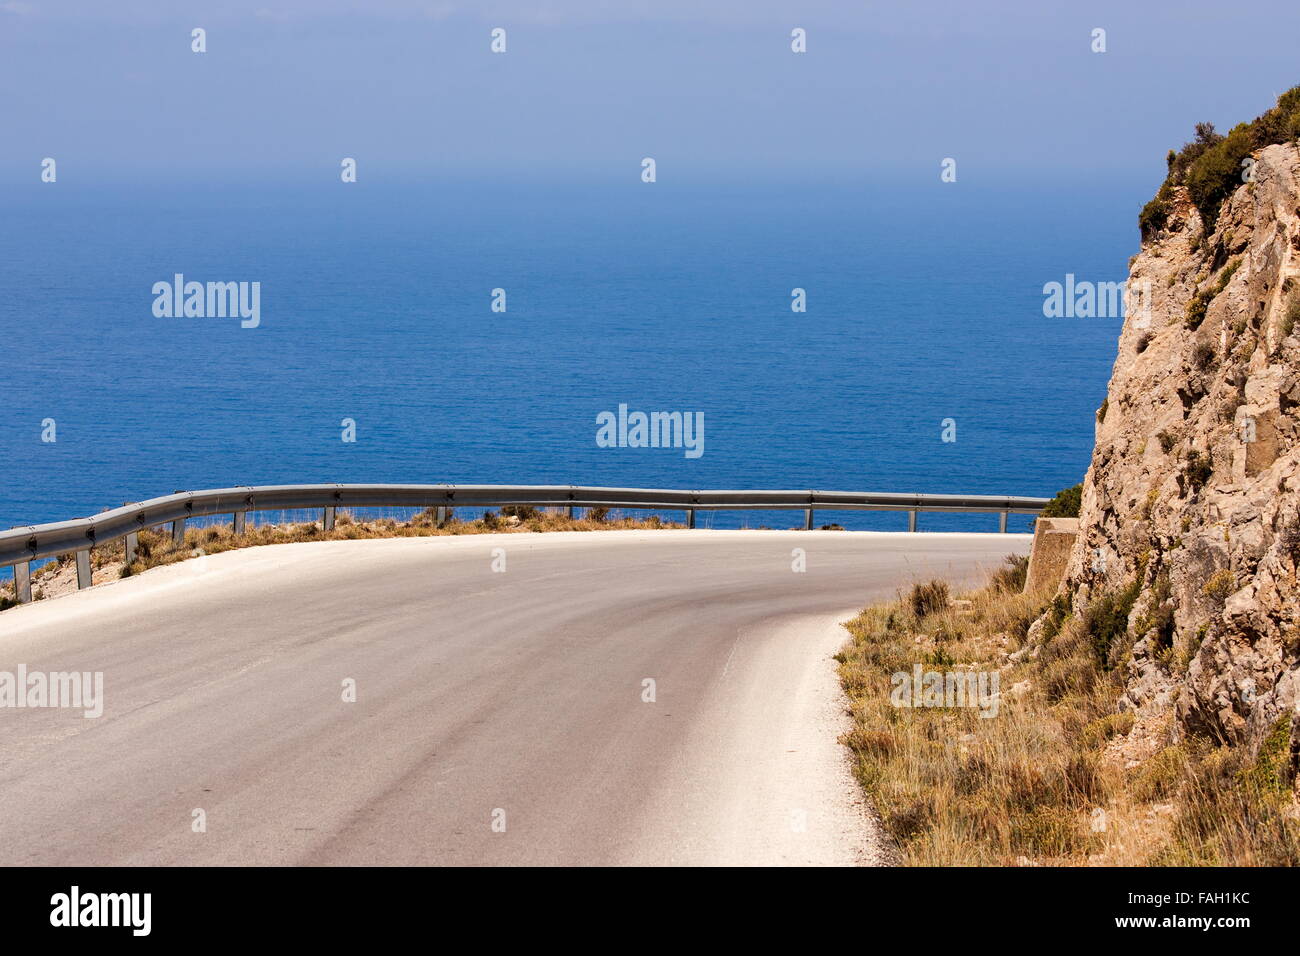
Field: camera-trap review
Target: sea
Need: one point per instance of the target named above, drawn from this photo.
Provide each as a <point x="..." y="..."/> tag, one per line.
<point x="922" y="360"/>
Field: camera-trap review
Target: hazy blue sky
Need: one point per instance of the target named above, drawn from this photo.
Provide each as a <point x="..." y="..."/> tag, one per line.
<point x="886" y="90"/>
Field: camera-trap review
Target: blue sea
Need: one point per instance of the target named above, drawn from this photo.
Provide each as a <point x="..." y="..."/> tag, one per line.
<point x="924" y="302"/>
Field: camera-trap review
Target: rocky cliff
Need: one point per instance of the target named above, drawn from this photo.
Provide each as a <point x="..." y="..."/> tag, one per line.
<point x="1190" y="517"/>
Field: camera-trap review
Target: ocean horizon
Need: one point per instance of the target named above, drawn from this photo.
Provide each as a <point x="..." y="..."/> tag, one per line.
<point x="923" y="362"/>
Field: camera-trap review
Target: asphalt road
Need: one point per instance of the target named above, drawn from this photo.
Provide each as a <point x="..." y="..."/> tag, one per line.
<point x="500" y="717"/>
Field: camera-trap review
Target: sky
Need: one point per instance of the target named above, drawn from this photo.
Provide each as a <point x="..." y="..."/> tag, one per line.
<point x="586" y="89"/>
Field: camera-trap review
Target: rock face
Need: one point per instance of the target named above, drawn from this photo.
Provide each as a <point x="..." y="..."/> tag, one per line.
<point x="1194" y="486"/>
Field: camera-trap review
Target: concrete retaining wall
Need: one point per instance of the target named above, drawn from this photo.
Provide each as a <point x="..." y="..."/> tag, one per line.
<point x="1050" y="553"/>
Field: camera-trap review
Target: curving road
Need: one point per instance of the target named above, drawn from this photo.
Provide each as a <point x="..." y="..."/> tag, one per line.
<point x="499" y="717"/>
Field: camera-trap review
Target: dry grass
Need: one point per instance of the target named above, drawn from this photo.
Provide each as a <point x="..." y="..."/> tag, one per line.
<point x="1046" y="781"/>
<point x="156" y="549"/>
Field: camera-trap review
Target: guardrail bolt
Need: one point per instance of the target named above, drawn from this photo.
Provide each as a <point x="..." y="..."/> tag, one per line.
<point x="23" y="582"/>
<point x="83" y="570"/>
<point x="328" y="520"/>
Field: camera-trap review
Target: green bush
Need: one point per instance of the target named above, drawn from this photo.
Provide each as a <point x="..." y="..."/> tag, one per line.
<point x="1066" y="503"/>
<point x="1200" y="302"/>
<point x="1179" y="162"/>
<point x="1106" y="620"/>
<point x="1226" y="275"/>
<point x="1056" y="614"/>
<point x="1220" y="585"/>
<point x="1196" y="309"/>
<point x="1197" y="469"/>
<point x="1210" y="165"/>
<point x="1162" y="613"/>
<point x="1216" y="173"/>
<point x="1155" y="213"/>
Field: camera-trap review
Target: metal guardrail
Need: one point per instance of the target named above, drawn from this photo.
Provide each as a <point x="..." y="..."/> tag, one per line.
<point x="19" y="546"/>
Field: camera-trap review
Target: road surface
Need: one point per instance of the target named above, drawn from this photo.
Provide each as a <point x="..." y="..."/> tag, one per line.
<point x="500" y="717"/>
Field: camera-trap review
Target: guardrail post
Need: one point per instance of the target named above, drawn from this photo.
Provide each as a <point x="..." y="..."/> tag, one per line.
<point x="571" y="510"/>
<point x="237" y="522"/>
<point x="911" y="520"/>
<point x="807" y="519"/>
<point x="132" y="543"/>
<point x="23" y="582"/>
<point x="328" y="519"/>
<point x="1002" y="522"/>
<point x="440" y="514"/>
<point x="178" y="531"/>
<point x="690" y="517"/>
<point x="83" y="569"/>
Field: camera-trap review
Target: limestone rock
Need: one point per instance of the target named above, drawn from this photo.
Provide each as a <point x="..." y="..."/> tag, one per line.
<point x="1194" y="485"/>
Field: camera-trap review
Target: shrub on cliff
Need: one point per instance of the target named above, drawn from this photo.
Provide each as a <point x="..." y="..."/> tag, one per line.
<point x="1066" y="503"/>
<point x="1217" y="172"/>
<point x="1210" y="166"/>
<point x="1200" y="302"/>
<point x="1155" y="213"/>
<point x="1105" y="622"/>
<point x="1197" y="469"/>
